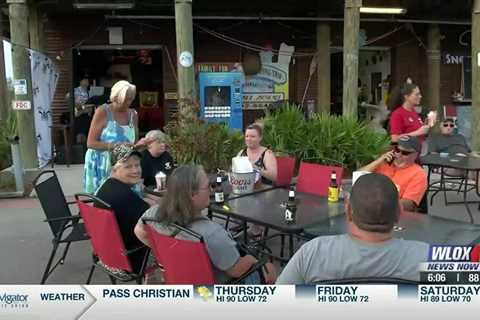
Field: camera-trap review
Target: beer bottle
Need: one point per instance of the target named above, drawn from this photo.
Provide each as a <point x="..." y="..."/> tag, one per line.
<point x="219" y="196"/>
<point x="291" y="207"/>
<point x="333" y="188"/>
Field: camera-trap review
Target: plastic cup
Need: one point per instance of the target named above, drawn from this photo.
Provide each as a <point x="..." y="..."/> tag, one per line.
<point x="161" y="179"/>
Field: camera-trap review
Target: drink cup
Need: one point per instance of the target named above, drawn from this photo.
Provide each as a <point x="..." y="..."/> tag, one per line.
<point x="161" y="179"/>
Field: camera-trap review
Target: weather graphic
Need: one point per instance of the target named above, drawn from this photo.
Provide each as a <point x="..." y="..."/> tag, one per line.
<point x="204" y="292"/>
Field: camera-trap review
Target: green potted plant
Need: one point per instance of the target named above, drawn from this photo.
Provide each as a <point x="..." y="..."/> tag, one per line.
<point x="193" y="140"/>
<point x="8" y="133"/>
<point x="324" y="139"/>
<point x="9" y="181"/>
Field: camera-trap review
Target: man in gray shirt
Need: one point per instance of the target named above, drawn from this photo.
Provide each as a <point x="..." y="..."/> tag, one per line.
<point x="447" y="140"/>
<point x="369" y="249"/>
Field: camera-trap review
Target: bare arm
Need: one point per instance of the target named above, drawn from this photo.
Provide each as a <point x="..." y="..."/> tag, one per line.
<point x="99" y="122"/>
<point x="270" y="171"/>
<point x="375" y="163"/>
<point x="135" y="123"/>
<point x="141" y="233"/>
<point x="241" y="266"/>
<point x="395" y="137"/>
<point x="423" y="130"/>
<point x="408" y="205"/>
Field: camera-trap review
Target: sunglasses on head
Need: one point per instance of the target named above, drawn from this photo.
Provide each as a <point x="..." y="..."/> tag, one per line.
<point x="403" y="152"/>
<point x="451" y="125"/>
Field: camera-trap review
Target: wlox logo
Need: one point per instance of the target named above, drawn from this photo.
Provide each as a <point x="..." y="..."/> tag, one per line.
<point x="449" y="253"/>
<point x="13" y="300"/>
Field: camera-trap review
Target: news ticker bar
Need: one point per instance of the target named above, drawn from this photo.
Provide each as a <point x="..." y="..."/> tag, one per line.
<point x="94" y="301"/>
<point x="450" y="277"/>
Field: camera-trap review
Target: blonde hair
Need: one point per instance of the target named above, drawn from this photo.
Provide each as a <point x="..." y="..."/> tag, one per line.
<point x="120" y="91"/>
<point x="157" y="135"/>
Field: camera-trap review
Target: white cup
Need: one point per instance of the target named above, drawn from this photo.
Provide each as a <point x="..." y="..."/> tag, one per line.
<point x="161" y="179"/>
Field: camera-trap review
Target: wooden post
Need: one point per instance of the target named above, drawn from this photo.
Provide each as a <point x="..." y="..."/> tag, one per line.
<point x="19" y="34"/>
<point x="185" y="62"/>
<point x="323" y="68"/>
<point x="37" y="40"/>
<point x="433" y="69"/>
<point x="4" y="108"/>
<point x="476" y="75"/>
<point x="351" y="29"/>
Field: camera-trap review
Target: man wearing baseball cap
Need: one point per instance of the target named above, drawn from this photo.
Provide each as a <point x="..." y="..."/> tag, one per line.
<point x="399" y="165"/>
<point x="368" y="249"/>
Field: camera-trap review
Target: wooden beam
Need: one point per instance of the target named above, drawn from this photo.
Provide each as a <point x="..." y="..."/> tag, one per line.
<point x="4" y="108"/>
<point x="433" y="68"/>
<point x="323" y="68"/>
<point x="185" y="54"/>
<point x="475" y="75"/>
<point x="19" y="34"/>
<point x="351" y="29"/>
<point x="37" y="33"/>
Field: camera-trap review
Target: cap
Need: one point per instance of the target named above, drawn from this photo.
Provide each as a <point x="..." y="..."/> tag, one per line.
<point x="409" y="143"/>
<point x="121" y="152"/>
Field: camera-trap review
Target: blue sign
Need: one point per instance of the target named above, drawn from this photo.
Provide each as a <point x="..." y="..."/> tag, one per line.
<point x="221" y="98"/>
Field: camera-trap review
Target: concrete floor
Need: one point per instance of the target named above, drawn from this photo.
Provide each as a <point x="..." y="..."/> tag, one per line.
<point x="25" y="240"/>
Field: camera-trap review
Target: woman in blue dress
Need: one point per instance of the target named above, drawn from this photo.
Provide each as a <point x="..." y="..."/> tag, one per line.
<point x="112" y="123"/>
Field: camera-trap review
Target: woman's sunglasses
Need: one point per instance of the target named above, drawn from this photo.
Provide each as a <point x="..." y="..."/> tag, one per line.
<point x="403" y="152"/>
<point x="446" y="125"/>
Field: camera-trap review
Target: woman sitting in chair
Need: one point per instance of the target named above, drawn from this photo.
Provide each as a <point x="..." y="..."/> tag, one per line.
<point x="119" y="192"/>
<point x="188" y="193"/>
<point x="262" y="158"/>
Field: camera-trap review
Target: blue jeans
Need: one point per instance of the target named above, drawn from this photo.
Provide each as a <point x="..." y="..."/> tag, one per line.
<point x="253" y="278"/>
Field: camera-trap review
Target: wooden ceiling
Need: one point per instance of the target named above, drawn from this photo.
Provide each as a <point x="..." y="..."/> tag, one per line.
<point x="416" y="9"/>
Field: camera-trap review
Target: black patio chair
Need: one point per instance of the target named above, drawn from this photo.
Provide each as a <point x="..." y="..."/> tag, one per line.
<point x="65" y="227"/>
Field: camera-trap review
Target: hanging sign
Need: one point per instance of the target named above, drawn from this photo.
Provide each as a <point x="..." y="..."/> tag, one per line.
<point x="20" y="86"/>
<point x="270" y="84"/>
<point x="186" y="59"/>
<point x="21" y="105"/>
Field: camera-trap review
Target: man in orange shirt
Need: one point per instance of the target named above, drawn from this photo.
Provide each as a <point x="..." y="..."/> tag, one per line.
<point x="399" y="165"/>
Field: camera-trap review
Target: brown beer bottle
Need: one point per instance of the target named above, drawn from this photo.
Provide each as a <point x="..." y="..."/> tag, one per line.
<point x="219" y="195"/>
<point x="333" y="188"/>
<point x="291" y="207"/>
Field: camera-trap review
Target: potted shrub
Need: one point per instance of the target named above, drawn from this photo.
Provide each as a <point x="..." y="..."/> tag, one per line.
<point x="324" y="139"/>
<point x="193" y="140"/>
<point x="8" y="136"/>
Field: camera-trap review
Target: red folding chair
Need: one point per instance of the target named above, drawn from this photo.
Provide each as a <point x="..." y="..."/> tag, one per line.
<point x="109" y="252"/>
<point x="285" y="170"/>
<point x="185" y="261"/>
<point x="450" y="111"/>
<point x="315" y="178"/>
<point x="176" y="257"/>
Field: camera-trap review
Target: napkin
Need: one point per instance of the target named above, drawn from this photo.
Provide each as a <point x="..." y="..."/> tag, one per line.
<point x="241" y="165"/>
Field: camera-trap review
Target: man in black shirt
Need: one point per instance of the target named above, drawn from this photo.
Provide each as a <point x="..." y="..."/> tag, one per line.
<point x="155" y="158"/>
